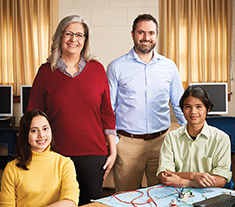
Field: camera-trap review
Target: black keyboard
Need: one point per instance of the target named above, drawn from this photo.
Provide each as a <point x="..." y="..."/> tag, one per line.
<point x="223" y="200"/>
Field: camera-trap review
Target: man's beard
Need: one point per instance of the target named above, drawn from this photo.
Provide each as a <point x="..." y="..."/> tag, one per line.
<point x="144" y="49"/>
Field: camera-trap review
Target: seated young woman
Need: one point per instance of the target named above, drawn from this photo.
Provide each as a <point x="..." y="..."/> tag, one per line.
<point x="195" y="155"/>
<point x="38" y="176"/>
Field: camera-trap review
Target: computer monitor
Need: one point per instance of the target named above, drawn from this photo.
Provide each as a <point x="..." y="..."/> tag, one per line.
<point x="24" y="97"/>
<point x="6" y="103"/>
<point x="218" y="93"/>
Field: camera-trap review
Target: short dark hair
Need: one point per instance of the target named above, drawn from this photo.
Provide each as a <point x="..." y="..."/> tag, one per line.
<point x="23" y="148"/>
<point x="197" y="92"/>
<point x="144" y="17"/>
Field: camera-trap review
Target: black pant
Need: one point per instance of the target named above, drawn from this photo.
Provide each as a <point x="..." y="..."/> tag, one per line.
<point x="90" y="173"/>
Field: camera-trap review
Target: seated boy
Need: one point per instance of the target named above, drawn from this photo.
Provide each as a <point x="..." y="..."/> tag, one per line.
<point x="195" y="155"/>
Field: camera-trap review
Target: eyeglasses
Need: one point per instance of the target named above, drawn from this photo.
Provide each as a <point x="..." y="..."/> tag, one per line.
<point x="79" y="36"/>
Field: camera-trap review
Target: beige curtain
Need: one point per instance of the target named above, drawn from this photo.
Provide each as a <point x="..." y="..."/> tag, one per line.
<point x="197" y="35"/>
<point x="26" y="29"/>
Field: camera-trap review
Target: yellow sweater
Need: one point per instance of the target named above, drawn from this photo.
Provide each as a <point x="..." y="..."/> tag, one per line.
<point x="51" y="177"/>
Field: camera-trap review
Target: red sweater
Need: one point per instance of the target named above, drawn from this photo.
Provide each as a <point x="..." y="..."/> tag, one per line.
<point x="79" y="108"/>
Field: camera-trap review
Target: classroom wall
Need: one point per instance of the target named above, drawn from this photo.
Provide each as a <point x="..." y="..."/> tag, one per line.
<point x="110" y="23"/>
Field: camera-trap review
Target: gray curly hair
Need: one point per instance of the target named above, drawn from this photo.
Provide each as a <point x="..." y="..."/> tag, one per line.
<point x="56" y="50"/>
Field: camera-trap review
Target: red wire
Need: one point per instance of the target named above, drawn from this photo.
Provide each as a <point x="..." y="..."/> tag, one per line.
<point x="142" y="193"/>
<point x="148" y="192"/>
<point x="132" y="201"/>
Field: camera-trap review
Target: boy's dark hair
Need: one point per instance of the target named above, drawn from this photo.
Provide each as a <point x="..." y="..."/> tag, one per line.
<point x="144" y="17"/>
<point x="23" y="149"/>
<point x="197" y="92"/>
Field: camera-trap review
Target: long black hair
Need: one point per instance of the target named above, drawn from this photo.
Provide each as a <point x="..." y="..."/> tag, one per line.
<point x="23" y="148"/>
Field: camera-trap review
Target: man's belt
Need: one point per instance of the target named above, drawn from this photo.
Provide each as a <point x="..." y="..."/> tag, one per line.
<point x="142" y="136"/>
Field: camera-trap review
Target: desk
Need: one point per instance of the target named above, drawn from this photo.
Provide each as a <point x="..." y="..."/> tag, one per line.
<point x="162" y="195"/>
<point x="95" y="205"/>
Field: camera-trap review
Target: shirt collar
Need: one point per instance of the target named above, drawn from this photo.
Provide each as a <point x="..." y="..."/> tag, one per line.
<point x="82" y="63"/>
<point x="62" y="65"/>
<point x="133" y="55"/>
<point x="205" y="130"/>
<point x="204" y="133"/>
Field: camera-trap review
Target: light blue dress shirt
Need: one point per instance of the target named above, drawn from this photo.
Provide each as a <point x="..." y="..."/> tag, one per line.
<point x="140" y="93"/>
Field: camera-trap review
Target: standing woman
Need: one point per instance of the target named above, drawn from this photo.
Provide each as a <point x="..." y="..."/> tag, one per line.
<point x="72" y="89"/>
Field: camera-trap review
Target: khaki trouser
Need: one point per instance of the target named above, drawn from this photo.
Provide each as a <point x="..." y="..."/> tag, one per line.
<point x="134" y="158"/>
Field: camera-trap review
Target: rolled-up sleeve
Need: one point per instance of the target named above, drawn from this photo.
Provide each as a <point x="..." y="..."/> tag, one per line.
<point x="166" y="158"/>
<point x="222" y="158"/>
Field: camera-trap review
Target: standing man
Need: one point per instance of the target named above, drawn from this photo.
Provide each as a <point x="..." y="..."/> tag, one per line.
<point x="142" y="83"/>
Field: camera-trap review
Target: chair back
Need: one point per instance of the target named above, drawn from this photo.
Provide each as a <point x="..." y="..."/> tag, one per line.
<point x="226" y="124"/>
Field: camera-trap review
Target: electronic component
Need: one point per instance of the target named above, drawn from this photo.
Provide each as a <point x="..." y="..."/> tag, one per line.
<point x="172" y="203"/>
<point x="217" y="201"/>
